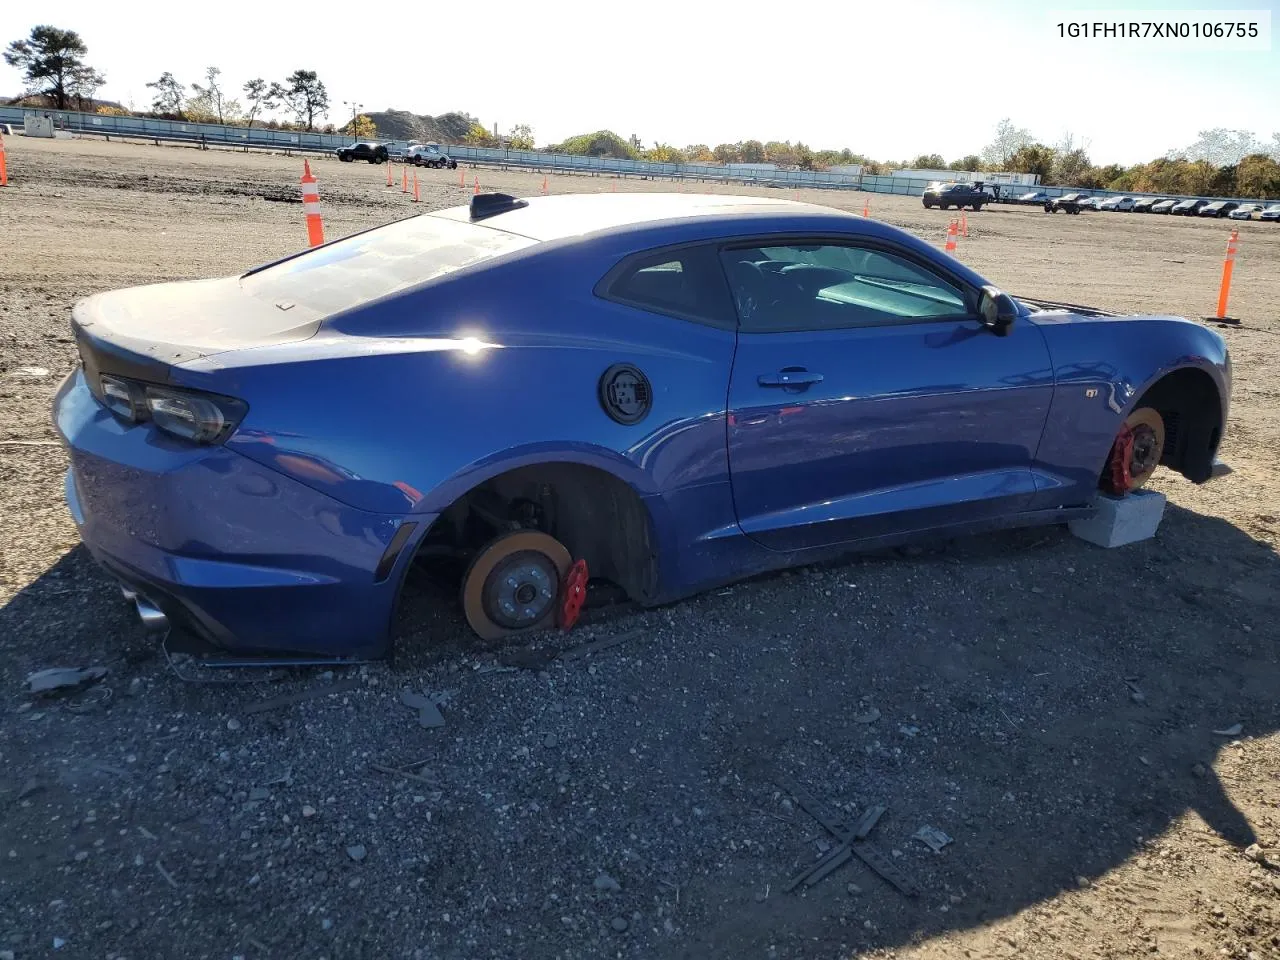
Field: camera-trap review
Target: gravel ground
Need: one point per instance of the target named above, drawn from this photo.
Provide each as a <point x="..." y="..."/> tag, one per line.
<point x="1049" y="705"/>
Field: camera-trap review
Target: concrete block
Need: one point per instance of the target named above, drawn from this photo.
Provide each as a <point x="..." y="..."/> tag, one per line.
<point x="1122" y="520"/>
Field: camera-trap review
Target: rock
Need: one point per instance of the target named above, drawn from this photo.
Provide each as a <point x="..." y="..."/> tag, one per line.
<point x="908" y="730"/>
<point x="259" y="793"/>
<point x="357" y="852"/>
<point x="1082" y="883"/>
<point x="619" y="923"/>
<point x="853" y="888"/>
<point x="871" y="716"/>
<point x="6" y="955"/>
<point x="29" y="788"/>
<point x="1254" y="853"/>
<point x="1232" y="731"/>
<point x="1199" y="770"/>
<point x="550" y="740"/>
<point x="308" y="810"/>
<point x="1138" y="696"/>
<point x="135" y="686"/>
<point x="58" y="943"/>
<point x="326" y="924"/>
<point x="233" y="724"/>
<point x="606" y="884"/>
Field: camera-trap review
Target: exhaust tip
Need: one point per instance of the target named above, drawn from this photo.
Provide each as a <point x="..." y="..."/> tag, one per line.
<point x="153" y="619"/>
<point x="130" y="594"/>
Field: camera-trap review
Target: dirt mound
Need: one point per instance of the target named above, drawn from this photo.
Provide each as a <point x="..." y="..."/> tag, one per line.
<point x="403" y="125"/>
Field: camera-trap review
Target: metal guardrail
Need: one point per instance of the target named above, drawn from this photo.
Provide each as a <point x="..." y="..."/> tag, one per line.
<point x="289" y="140"/>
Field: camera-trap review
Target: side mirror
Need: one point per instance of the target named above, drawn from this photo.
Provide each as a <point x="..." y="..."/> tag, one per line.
<point x="996" y="310"/>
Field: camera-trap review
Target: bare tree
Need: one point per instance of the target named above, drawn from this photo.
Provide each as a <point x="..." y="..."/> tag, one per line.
<point x="1221" y="147"/>
<point x="212" y="94"/>
<point x="169" y="96"/>
<point x="1008" y="141"/>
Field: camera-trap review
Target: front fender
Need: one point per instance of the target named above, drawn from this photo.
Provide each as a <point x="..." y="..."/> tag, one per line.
<point x="1102" y="368"/>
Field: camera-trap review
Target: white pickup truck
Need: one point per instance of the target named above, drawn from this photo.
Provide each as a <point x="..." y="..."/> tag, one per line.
<point x="428" y="155"/>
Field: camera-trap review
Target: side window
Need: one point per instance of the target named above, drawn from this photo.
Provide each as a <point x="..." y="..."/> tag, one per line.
<point x="831" y="286"/>
<point x="685" y="283"/>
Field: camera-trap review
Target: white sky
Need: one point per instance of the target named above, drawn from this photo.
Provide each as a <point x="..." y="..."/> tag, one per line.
<point x="888" y="79"/>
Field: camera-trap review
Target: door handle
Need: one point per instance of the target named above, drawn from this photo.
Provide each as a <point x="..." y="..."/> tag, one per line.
<point x="789" y="378"/>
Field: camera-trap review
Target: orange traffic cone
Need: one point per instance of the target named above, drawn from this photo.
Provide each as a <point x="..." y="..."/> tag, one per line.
<point x="1228" y="267"/>
<point x="545" y="190"/>
<point x="477" y="189"/>
<point x="311" y="206"/>
<point x="416" y="198"/>
<point x="404" y="180"/>
<point x="390" y="182"/>
<point x="866" y="206"/>
<point x="951" y="237"/>
<point x="964" y="224"/>
<point x="462" y="179"/>
<point x="4" y="170"/>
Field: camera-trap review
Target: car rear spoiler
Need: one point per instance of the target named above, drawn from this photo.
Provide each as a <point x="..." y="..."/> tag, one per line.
<point x="1042" y="306"/>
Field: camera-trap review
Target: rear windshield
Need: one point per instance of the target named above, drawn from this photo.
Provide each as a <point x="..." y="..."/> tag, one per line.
<point x="369" y="265"/>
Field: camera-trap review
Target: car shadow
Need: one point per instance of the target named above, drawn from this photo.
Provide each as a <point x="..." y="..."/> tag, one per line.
<point x="1048" y="704"/>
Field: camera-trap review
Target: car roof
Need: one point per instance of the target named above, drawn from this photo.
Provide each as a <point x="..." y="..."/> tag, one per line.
<point x="571" y="215"/>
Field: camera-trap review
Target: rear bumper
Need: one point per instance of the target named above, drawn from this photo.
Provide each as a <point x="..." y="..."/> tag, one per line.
<point x="226" y="547"/>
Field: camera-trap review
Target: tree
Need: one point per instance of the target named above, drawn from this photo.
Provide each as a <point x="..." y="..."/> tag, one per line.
<point x="521" y="137"/>
<point x="699" y="153"/>
<point x="52" y="64"/>
<point x="1070" y="166"/>
<point x="479" y="136"/>
<point x="259" y="97"/>
<point x="361" y="128"/>
<point x="1221" y="147"/>
<point x="169" y="97"/>
<point x="928" y="161"/>
<point x="1258" y="175"/>
<point x="727" y="153"/>
<point x="1032" y="158"/>
<point x="602" y="143"/>
<point x="752" y="151"/>
<point x="304" y="95"/>
<point x="212" y="94"/>
<point x="970" y="164"/>
<point x="1008" y="140"/>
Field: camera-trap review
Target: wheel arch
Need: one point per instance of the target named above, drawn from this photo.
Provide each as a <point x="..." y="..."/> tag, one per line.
<point x="1190" y="400"/>
<point x="594" y="502"/>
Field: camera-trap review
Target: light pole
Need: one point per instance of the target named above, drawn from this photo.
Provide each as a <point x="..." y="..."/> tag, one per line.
<point x="355" y="111"/>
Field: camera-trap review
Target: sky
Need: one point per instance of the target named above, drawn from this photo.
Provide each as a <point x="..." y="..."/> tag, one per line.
<point x="889" y="80"/>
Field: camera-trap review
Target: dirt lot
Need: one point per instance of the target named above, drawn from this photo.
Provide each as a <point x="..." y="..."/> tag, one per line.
<point x="1049" y="705"/>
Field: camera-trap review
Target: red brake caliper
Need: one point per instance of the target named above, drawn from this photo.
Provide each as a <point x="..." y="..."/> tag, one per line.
<point x="1121" y="454"/>
<point x="574" y="594"/>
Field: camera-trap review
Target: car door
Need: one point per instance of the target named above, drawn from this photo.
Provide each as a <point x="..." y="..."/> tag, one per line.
<point x="867" y="399"/>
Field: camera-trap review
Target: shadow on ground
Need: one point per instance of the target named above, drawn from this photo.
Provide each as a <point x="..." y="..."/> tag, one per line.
<point x="1044" y="702"/>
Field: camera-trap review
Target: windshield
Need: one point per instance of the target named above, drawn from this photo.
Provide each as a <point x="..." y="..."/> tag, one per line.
<point x="369" y="265"/>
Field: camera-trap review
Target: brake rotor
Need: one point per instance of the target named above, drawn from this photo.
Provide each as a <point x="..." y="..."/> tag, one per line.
<point x="1147" y="447"/>
<point x="513" y="584"/>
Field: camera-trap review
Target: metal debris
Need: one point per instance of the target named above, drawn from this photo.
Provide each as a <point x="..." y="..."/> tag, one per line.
<point x="851" y="845"/>
<point x="599" y="646"/>
<point x="931" y="837"/>
<point x="60" y="680"/>
<point x="289" y="699"/>
<point x="1232" y="731"/>
<point x="429" y="714"/>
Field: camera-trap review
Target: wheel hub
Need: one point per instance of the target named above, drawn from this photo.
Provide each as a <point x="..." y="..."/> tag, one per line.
<point x="1146" y="448"/>
<point x="521" y="590"/>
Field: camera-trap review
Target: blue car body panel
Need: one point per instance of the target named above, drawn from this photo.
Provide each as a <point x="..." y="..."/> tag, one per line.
<point x="374" y="414"/>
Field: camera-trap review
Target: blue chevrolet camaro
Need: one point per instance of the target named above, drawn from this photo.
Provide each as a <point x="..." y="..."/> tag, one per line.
<point x="678" y="390"/>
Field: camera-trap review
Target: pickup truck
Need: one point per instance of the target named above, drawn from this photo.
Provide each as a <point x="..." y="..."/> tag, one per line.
<point x="958" y="195"/>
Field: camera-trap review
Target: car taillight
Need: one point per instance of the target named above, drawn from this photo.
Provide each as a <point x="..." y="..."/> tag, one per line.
<point x="190" y="414"/>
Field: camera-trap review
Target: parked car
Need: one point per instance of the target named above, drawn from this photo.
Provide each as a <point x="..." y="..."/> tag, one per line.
<point x="1117" y="204"/>
<point x="958" y="195"/>
<point x="1246" y="211"/>
<point x="1219" y="208"/>
<point x="1187" y="208"/>
<point x="676" y="390"/>
<point x="1035" y="198"/>
<point x="1091" y="203"/>
<point x="1067" y="203"/>
<point x="1164" y="206"/>
<point x="1271" y="213"/>
<point x="1144" y="204"/>
<point x="428" y="155"/>
<point x="363" y="150"/>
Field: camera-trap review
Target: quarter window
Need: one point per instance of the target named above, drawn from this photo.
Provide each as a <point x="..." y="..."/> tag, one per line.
<point x="684" y="283"/>
<point x="829" y="286"/>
